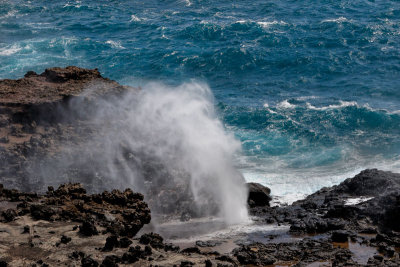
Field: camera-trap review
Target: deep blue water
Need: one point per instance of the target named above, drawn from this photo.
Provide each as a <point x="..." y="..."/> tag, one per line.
<point x="310" y="88"/>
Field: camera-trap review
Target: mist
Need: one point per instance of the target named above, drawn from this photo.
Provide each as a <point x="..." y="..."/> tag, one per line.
<point x="165" y="142"/>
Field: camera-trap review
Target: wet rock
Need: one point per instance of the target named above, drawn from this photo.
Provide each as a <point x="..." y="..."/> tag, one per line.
<point x="207" y="243"/>
<point x="190" y="250"/>
<point x="370" y="182"/>
<point x="339" y="236"/>
<point x="3" y="263"/>
<point x="185" y="217"/>
<point x="88" y="229"/>
<point x="253" y="255"/>
<point x="259" y="195"/>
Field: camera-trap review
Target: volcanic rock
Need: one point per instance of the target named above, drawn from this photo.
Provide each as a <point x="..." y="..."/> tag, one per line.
<point x="259" y="195"/>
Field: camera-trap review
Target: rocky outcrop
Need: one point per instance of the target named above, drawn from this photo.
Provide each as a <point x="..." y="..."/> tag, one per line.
<point x="259" y="195"/>
<point x="366" y="203"/>
<point x="40" y="115"/>
<point x="55" y="85"/>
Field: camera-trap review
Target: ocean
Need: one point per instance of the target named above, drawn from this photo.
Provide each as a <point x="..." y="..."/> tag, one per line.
<point x="310" y="89"/>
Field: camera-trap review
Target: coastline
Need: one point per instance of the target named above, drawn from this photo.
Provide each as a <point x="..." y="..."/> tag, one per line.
<point x="351" y="224"/>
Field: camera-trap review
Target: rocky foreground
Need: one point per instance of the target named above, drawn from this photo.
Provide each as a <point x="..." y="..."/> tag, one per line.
<point x="67" y="226"/>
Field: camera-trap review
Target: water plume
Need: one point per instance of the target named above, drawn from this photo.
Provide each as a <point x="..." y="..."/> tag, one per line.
<point x="167" y="143"/>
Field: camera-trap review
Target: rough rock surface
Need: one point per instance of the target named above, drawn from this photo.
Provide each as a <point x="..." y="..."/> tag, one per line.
<point x="67" y="227"/>
<point x="259" y="195"/>
<point x="54" y="85"/>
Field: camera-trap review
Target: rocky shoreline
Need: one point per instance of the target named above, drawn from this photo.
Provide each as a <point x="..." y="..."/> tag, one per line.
<point x="356" y="223"/>
<point x="69" y="227"/>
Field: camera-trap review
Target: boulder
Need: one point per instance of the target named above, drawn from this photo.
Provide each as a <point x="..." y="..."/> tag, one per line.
<point x="259" y="195"/>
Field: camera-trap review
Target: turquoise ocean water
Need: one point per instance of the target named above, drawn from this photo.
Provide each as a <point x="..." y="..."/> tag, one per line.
<point x="310" y="88"/>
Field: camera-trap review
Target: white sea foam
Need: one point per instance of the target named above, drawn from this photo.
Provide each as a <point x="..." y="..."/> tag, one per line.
<point x="242" y="21"/>
<point x="337" y="20"/>
<point x="10" y="50"/>
<point x="187" y="2"/>
<point x="11" y="13"/>
<point x="134" y="18"/>
<point x="285" y="105"/>
<point x="267" y="24"/>
<point x="115" y="44"/>
<point x="302" y="98"/>
<point x="342" y="104"/>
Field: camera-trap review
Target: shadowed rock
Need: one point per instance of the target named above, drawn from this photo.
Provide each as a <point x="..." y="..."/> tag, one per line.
<point x="259" y="195"/>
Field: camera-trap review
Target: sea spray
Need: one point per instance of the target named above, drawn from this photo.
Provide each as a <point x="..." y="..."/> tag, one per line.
<point x="166" y="142"/>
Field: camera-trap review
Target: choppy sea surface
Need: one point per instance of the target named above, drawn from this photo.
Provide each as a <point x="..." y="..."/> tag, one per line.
<point x="311" y="89"/>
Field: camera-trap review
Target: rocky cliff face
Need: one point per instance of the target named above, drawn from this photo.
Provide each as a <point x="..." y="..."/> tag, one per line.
<point x="36" y="117"/>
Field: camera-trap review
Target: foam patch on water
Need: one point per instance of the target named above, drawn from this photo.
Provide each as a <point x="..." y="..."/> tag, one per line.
<point x="134" y="18"/>
<point x="336" y="20"/>
<point x="342" y="104"/>
<point x="268" y="24"/>
<point x="115" y="44"/>
<point x="10" y="50"/>
<point x="285" y="105"/>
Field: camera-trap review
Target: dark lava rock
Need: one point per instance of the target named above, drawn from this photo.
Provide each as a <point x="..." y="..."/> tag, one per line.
<point x="326" y="209"/>
<point x="208" y="243"/>
<point x="136" y="253"/>
<point x="65" y="239"/>
<point x="370" y="182"/>
<point x="71" y="190"/>
<point x="304" y="252"/>
<point x="247" y="255"/>
<point x="9" y="215"/>
<point x="152" y="239"/>
<point x="89" y="262"/>
<point x="186" y="264"/>
<point x="125" y="242"/>
<point x="171" y="247"/>
<point x="111" y="243"/>
<point x="259" y="195"/>
<point x="42" y="212"/>
<point x="26" y="230"/>
<point x="88" y="228"/>
<point x="339" y="236"/>
<point x="190" y="250"/>
<point x="110" y="261"/>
